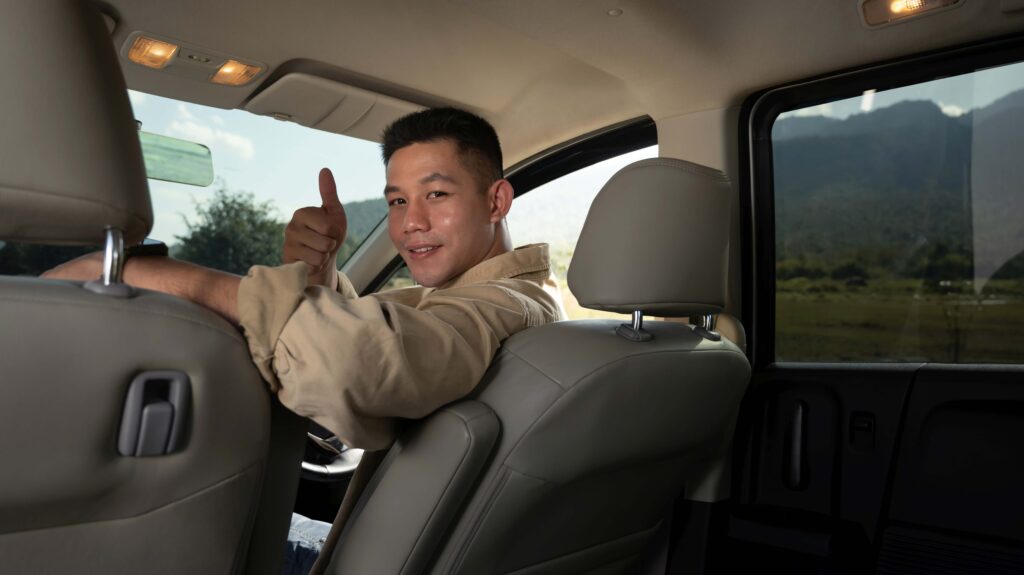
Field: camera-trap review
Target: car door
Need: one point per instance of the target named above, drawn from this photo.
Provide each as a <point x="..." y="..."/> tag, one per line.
<point x="885" y="236"/>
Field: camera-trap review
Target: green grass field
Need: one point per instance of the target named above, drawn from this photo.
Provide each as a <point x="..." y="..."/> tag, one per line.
<point x="897" y="320"/>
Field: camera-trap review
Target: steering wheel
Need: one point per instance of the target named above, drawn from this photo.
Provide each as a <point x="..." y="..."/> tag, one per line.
<point x="326" y="458"/>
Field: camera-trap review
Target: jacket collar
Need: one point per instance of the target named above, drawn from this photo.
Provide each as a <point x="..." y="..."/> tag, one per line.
<point x="526" y="260"/>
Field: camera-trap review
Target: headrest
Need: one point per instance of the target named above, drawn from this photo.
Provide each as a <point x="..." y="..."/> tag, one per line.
<point x="70" y="160"/>
<point x="655" y="240"/>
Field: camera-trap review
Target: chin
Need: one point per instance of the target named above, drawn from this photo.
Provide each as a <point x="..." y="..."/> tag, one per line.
<point x="422" y="278"/>
<point x="428" y="281"/>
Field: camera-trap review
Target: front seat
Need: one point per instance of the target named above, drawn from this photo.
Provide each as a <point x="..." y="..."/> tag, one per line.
<point x="582" y="433"/>
<point x="135" y="432"/>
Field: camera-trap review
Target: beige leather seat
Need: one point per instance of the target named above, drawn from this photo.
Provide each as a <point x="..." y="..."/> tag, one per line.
<point x="582" y="433"/>
<point x="192" y="469"/>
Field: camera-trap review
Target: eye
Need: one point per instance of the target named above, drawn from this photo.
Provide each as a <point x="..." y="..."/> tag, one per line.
<point x="396" y="202"/>
<point x="437" y="194"/>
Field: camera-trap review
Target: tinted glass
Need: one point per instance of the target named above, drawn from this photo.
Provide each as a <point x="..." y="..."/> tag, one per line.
<point x="899" y="223"/>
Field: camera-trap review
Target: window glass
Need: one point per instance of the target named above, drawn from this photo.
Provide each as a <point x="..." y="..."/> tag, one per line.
<point x="265" y="170"/>
<point x="554" y="214"/>
<point x="899" y="223"/>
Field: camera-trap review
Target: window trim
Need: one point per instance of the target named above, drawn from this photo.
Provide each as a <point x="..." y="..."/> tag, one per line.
<point x="757" y="194"/>
<point x="558" y="161"/>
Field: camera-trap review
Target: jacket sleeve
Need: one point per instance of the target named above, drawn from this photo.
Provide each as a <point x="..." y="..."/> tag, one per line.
<point x="354" y="364"/>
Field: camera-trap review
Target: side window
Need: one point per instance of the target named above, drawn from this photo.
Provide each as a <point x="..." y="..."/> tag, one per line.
<point x="554" y="213"/>
<point x="899" y="223"/>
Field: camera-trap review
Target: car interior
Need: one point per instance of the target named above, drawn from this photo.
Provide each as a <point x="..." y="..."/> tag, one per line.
<point x="794" y="329"/>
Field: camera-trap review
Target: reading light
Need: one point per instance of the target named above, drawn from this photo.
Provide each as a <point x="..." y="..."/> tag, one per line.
<point x="899" y="6"/>
<point x="235" y="73"/>
<point x="152" y="53"/>
<point x="882" y="12"/>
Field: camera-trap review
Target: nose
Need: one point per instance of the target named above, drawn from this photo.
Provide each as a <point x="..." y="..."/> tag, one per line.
<point x="416" y="218"/>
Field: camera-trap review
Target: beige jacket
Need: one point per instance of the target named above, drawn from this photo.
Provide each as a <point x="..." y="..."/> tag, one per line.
<point x="355" y="364"/>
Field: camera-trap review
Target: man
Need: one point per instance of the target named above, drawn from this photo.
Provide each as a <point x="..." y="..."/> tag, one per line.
<point x="358" y="364"/>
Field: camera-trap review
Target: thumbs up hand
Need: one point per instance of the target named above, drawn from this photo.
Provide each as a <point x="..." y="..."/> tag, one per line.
<point x="315" y="234"/>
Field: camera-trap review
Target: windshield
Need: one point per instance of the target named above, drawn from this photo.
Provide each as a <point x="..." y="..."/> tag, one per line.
<point x="264" y="170"/>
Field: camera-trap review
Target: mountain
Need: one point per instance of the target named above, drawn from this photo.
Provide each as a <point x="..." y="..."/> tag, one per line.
<point x="801" y="127"/>
<point x="363" y="216"/>
<point x="890" y="187"/>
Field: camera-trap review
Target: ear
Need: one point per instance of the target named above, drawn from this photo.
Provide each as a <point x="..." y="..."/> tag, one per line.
<point x="500" y="197"/>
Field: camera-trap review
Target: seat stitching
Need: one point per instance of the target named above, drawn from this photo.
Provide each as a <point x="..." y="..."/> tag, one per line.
<point x="183" y="499"/>
<point x="500" y="481"/>
<point x="569" y="390"/>
<point x="447" y="489"/>
<point x="87" y="304"/>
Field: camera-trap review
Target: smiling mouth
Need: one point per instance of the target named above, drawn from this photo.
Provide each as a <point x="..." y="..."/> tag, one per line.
<point x="422" y="251"/>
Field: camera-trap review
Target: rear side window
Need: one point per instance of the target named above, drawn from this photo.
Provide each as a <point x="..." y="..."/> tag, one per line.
<point x="899" y="223"/>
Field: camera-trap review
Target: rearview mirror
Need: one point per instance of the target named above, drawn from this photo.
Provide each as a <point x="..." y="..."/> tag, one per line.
<point x="179" y="161"/>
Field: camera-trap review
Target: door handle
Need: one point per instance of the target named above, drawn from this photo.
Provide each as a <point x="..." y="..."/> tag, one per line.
<point x="155" y="414"/>
<point x="796" y="447"/>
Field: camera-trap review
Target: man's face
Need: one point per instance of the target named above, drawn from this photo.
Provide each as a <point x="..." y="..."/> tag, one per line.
<point x="438" y="217"/>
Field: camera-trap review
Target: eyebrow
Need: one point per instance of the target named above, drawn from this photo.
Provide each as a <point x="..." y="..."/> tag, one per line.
<point x="434" y="177"/>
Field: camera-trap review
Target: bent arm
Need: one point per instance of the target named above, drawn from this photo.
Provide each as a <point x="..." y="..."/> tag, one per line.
<point x="355" y="365"/>
<point x="207" y="287"/>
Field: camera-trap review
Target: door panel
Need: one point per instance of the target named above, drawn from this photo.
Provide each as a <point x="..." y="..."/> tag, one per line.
<point x="961" y="461"/>
<point x="888" y="232"/>
<point x="814" y="450"/>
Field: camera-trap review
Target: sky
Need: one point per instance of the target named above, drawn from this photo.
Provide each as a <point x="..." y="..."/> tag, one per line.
<point x="956" y="95"/>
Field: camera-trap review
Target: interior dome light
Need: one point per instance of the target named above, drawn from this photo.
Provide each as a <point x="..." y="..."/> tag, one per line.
<point x="235" y="73"/>
<point x="152" y="53"/>
<point x="882" y="12"/>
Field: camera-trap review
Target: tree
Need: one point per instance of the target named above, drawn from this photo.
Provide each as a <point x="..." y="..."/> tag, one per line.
<point x="232" y="232"/>
<point x="849" y="270"/>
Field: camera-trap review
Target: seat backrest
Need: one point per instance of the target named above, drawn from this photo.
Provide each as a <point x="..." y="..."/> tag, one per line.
<point x="603" y="424"/>
<point x="136" y="433"/>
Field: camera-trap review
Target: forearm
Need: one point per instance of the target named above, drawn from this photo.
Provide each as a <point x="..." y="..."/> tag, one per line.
<point x="207" y="287"/>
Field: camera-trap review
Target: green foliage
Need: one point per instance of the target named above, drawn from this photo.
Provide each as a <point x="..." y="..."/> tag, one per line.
<point x="362" y="217"/>
<point x="799" y="268"/>
<point x="849" y="270"/>
<point x="882" y="325"/>
<point x="232" y="233"/>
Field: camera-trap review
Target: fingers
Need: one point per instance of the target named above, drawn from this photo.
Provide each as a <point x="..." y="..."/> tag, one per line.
<point x="315" y="234"/>
<point x="317" y="220"/>
<point x="316" y="260"/>
<point x="331" y="205"/>
<point x="305" y="236"/>
<point x="304" y="243"/>
<point x="329" y="192"/>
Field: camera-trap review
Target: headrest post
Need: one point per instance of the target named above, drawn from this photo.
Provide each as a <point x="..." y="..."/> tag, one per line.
<point x="634" y="332"/>
<point x="638" y="320"/>
<point x="113" y="257"/>
<point x="704" y="326"/>
<point x="707" y="321"/>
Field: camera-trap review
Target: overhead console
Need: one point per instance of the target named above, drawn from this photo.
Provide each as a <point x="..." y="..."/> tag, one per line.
<point x="328" y="105"/>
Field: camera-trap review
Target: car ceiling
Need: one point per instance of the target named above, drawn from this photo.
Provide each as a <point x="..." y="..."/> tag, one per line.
<point x="543" y="71"/>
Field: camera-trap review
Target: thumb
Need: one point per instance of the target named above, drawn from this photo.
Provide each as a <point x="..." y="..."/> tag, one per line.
<point x="329" y="193"/>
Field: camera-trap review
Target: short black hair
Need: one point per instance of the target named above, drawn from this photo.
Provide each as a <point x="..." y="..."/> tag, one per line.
<point x="474" y="137"/>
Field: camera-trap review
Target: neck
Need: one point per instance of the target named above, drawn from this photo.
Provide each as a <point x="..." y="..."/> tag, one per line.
<point x="502" y="240"/>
